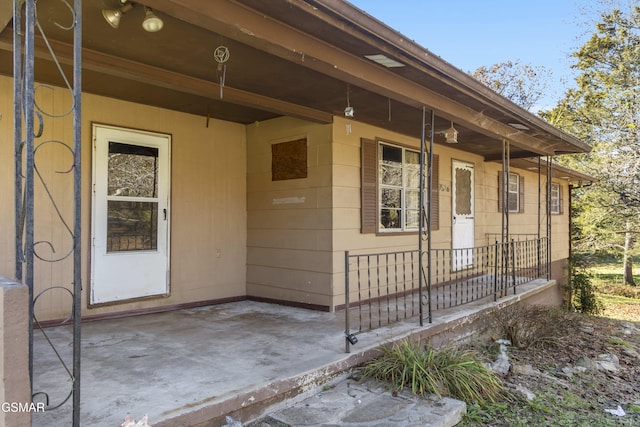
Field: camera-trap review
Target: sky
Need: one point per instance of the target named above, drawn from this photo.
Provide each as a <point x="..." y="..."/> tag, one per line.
<point x="471" y="33"/>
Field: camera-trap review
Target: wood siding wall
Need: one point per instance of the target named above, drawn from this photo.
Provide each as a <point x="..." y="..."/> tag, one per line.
<point x="208" y="228"/>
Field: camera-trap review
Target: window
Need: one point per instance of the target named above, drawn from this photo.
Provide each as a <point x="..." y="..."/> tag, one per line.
<point x="399" y="188"/>
<point x="391" y="188"/>
<point x="514" y="192"/>
<point x="556" y="198"/>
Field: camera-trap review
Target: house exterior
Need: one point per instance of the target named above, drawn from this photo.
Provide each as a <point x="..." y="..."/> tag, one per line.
<point x="208" y="180"/>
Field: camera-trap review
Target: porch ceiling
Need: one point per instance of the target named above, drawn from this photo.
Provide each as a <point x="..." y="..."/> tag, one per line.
<point x="297" y="58"/>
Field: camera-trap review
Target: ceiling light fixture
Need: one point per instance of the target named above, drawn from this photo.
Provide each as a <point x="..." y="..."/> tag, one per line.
<point x="451" y="135"/>
<point x="151" y="22"/>
<point x="112" y="16"/>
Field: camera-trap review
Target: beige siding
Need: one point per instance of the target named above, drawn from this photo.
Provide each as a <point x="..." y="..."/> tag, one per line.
<point x="234" y="231"/>
<point x="289" y="253"/>
<point x="208" y="216"/>
<point x="346" y="197"/>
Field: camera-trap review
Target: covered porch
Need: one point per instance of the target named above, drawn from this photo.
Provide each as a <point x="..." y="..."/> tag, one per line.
<point x="194" y="366"/>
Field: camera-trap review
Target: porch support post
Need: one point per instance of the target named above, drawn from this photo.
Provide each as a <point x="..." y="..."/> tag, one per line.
<point x="548" y="207"/>
<point x="430" y="198"/>
<point x="27" y="101"/>
<point x="347" y="328"/>
<point x="77" y="191"/>
<point x="425" y="214"/>
<point x="539" y="217"/>
<point x="17" y="134"/>
<point x="505" y="214"/>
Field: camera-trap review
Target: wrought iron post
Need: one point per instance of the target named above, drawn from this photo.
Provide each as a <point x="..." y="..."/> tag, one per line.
<point x="26" y="212"/>
<point x="548" y="205"/>
<point x="347" y="329"/>
<point x="425" y="213"/>
<point x="77" y="191"/>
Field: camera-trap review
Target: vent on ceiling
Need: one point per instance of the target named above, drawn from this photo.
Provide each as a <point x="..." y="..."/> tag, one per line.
<point x="518" y="126"/>
<point x="384" y="60"/>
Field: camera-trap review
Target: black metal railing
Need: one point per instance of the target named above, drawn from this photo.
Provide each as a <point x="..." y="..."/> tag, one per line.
<point x="383" y="288"/>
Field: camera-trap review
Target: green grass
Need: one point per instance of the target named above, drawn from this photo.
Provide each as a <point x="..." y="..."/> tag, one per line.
<point x="445" y="372"/>
<point x="620" y="301"/>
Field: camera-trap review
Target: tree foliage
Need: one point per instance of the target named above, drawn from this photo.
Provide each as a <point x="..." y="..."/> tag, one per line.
<point x="523" y="84"/>
<point x="604" y="110"/>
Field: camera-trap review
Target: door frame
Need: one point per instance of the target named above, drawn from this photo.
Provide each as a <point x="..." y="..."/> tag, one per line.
<point x="134" y="137"/>
<point x="458" y="249"/>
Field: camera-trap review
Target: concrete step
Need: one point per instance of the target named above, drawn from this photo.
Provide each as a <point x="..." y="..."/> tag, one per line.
<point x="359" y="403"/>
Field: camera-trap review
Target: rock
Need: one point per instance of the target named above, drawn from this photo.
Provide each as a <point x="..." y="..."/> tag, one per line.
<point x="630" y="352"/>
<point x="524" y="370"/>
<point x="501" y="365"/>
<point x="617" y="412"/>
<point x="585" y="362"/>
<point x="232" y="423"/>
<point x="608" y="362"/>
<point x="528" y="394"/>
<point x="587" y="329"/>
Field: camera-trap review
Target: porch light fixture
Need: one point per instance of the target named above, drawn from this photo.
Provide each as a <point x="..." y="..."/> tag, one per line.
<point x="451" y="135"/>
<point x="151" y="22"/>
<point x="112" y="16"/>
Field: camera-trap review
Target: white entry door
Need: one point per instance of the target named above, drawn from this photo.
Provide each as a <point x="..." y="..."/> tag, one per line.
<point x="462" y="228"/>
<point x="130" y="214"/>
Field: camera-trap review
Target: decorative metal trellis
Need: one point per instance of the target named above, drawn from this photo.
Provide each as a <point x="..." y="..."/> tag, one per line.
<point x="29" y="129"/>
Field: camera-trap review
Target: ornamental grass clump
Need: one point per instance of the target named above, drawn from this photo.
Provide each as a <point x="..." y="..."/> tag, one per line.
<point x="445" y="372"/>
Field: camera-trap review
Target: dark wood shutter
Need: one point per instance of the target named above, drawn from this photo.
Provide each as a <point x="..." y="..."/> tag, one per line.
<point x="521" y="195"/>
<point x="500" y="191"/>
<point x="368" y="180"/>
<point x="560" y="200"/>
<point x="435" y="193"/>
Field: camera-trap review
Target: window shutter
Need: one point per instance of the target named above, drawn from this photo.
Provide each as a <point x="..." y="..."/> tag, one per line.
<point x="560" y="200"/>
<point x="521" y="195"/>
<point x="368" y="181"/>
<point x="435" y="193"/>
<point x="500" y="191"/>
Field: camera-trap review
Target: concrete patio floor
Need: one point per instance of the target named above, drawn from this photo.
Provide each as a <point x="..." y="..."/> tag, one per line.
<point x="194" y="366"/>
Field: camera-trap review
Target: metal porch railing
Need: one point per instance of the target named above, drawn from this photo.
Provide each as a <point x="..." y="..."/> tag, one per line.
<point x="383" y="288"/>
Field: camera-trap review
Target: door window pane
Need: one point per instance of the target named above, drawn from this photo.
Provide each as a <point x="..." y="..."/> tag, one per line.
<point x="463" y="192"/>
<point x="133" y="170"/>
<point x="132" y="226"/>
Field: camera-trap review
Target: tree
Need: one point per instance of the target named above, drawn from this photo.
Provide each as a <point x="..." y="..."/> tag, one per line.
<point x="604" y="110"/>
<point x="523" y="84"/>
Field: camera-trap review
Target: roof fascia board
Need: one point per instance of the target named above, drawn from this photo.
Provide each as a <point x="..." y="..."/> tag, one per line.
<point x="393" y="42"/>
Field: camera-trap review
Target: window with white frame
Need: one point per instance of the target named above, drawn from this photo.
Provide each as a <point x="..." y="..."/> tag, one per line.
<point x="399" y="188"/>
<point x="555" y="198"/>
<point x="513" y="190"/>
